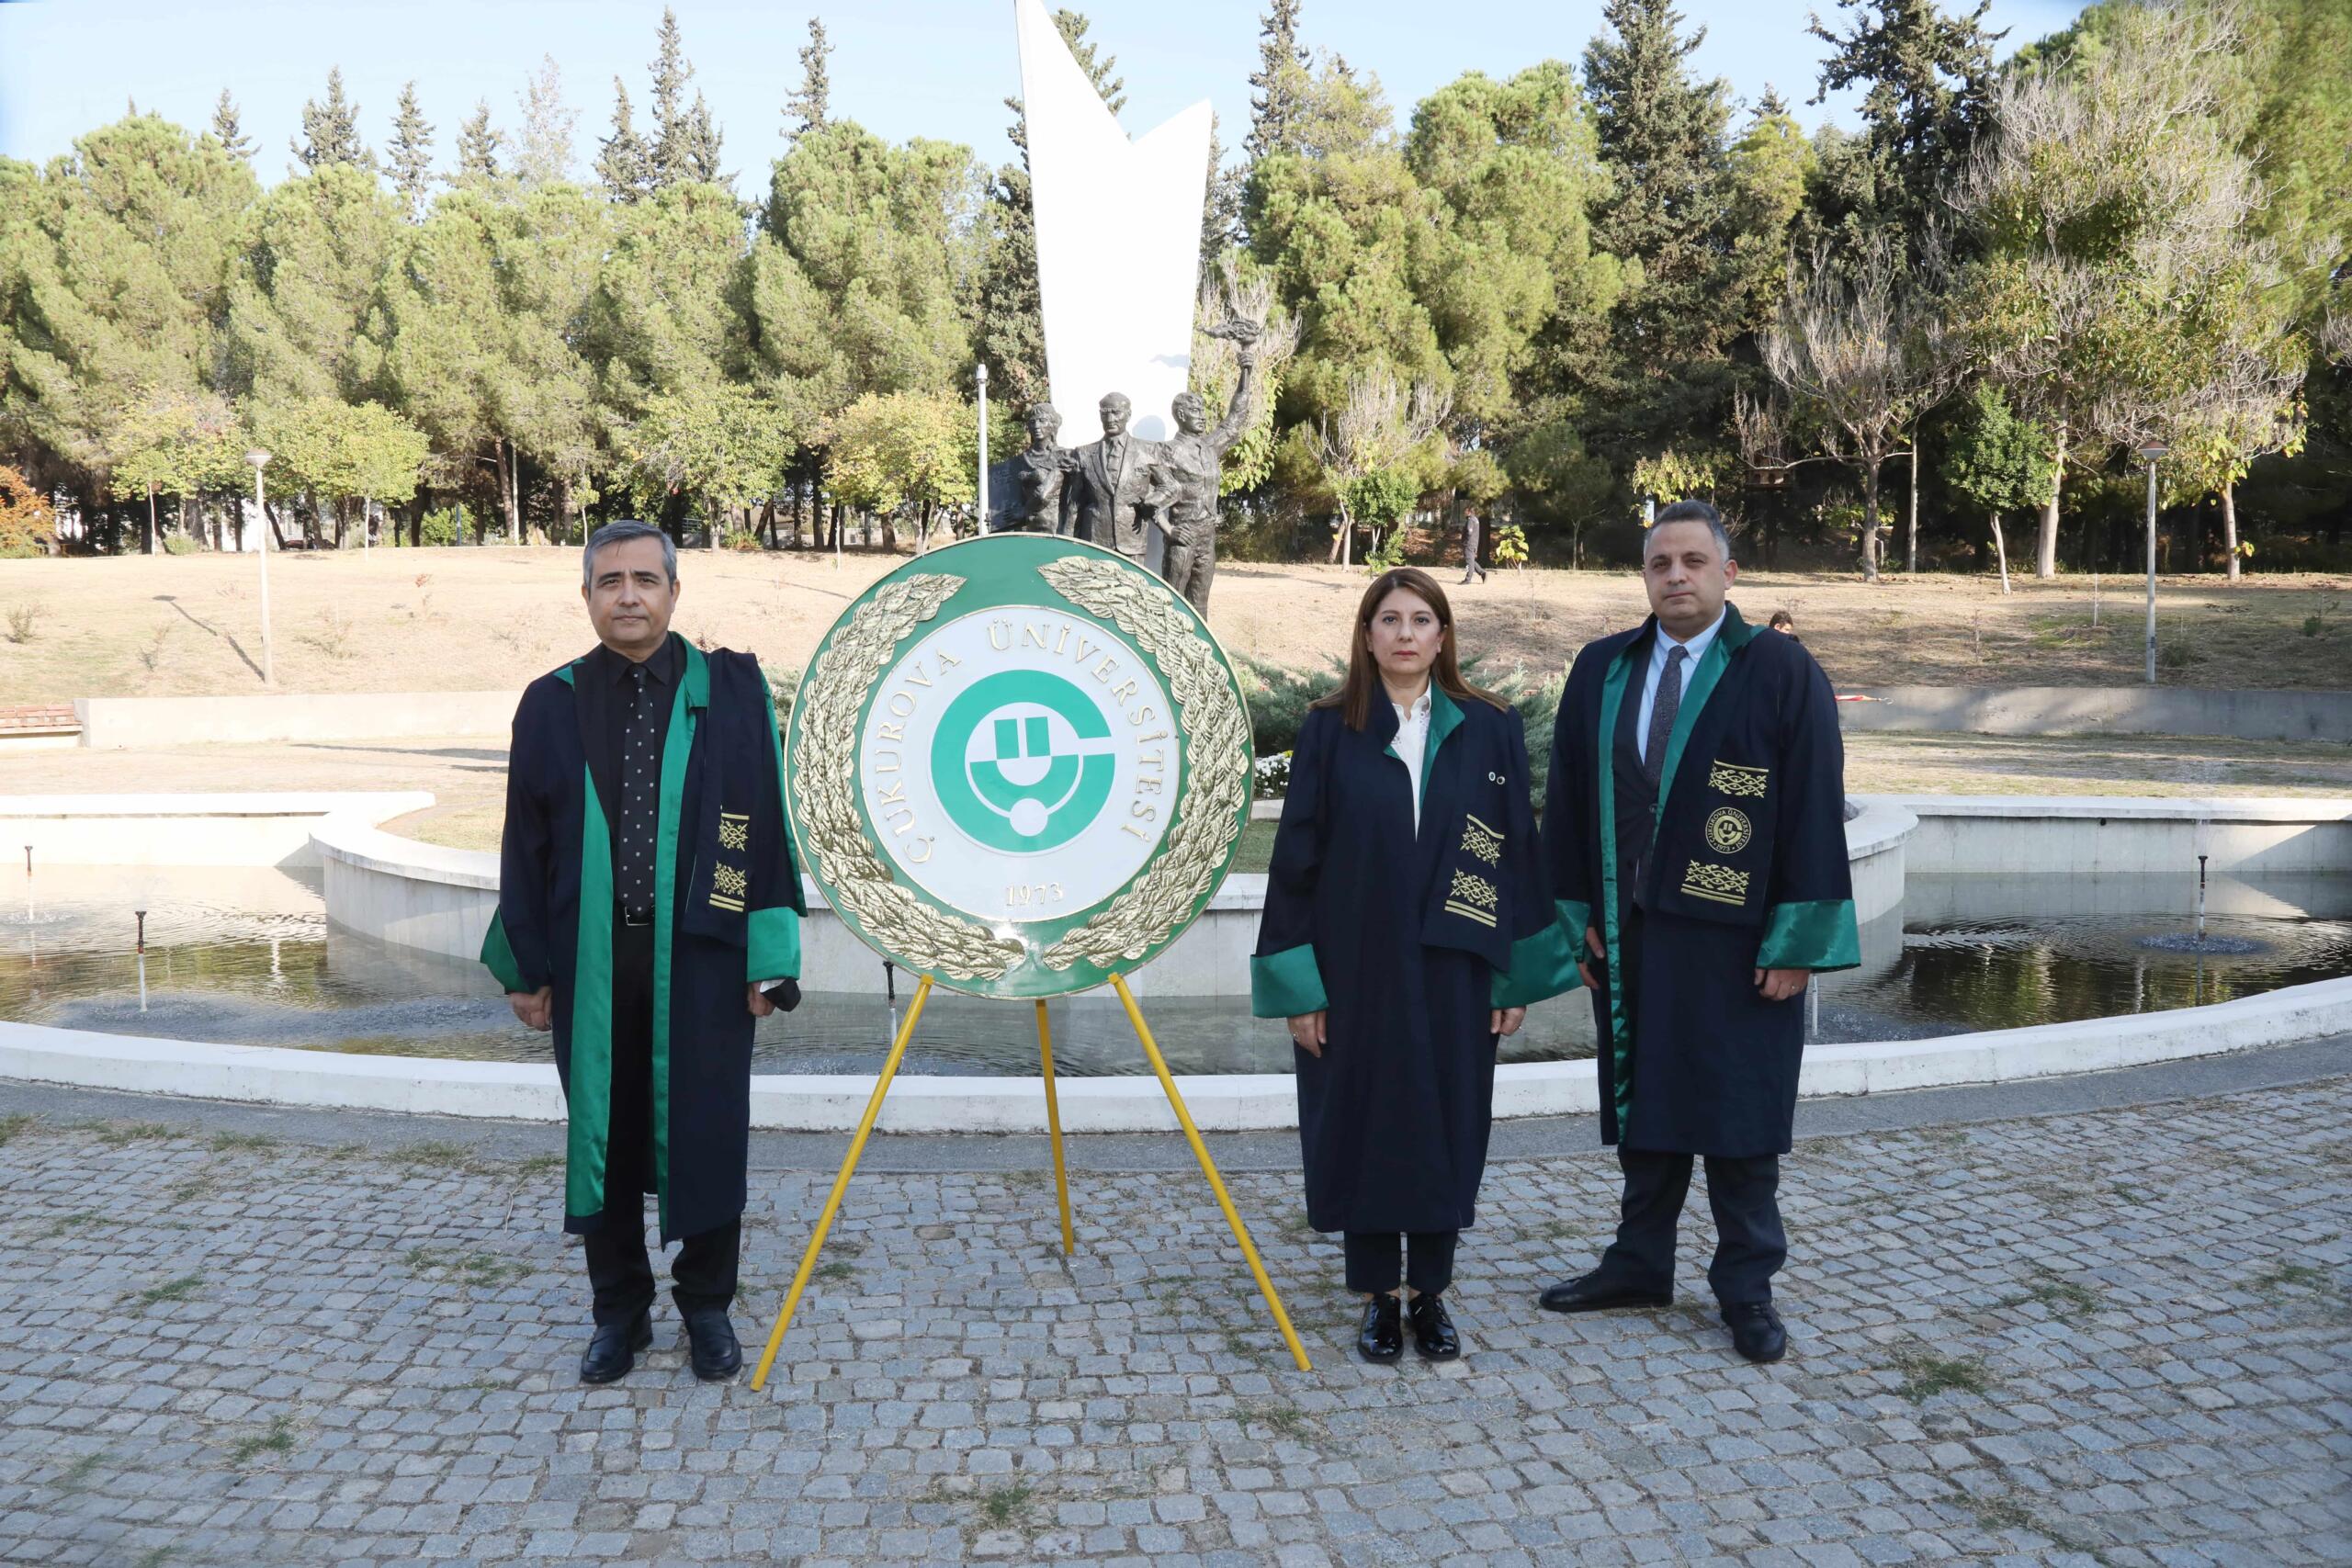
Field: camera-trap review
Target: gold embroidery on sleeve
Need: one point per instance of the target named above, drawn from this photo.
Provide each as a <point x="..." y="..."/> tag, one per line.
<point x="1717" y="883"/>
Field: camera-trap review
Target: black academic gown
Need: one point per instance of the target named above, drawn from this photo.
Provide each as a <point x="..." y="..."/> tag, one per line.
<point x="1744" y="870"/>
<point x="1409" y="943"/>
<point x="727" y="911"/>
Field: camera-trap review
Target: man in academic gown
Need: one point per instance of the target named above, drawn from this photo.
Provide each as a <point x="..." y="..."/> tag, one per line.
<point x="1694" y="828"/>
<point x="648" y="909"/>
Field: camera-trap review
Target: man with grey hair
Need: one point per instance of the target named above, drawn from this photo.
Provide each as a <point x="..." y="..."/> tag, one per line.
<point x="1694" y="824"/>
<point x="648" y="909"/>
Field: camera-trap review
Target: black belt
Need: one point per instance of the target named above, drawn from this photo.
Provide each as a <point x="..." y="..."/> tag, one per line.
<point x="629" y="917"/>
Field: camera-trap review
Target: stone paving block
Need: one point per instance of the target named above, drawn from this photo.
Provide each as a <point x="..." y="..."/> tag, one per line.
<point x="2003" y="1351"/>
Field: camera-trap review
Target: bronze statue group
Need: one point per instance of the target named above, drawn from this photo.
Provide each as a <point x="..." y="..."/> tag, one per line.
<point x="1688" y="869"/>
<point x="1153" y="502"/>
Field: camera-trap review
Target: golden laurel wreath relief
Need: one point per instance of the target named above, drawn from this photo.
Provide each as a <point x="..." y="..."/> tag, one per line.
<point x="1217" y="738"/>
<point x="1728" y="831"/>
<point x="931" y="939"/>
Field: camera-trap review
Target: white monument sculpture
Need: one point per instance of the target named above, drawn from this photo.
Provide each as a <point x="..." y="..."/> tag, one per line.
<point x="1118" y="238"/>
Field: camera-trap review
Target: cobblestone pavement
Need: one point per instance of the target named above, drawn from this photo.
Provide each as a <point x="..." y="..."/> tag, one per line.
<point x="2121" y="1337"/>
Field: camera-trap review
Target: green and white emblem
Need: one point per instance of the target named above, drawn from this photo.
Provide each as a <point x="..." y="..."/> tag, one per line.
<point x="1019" y="764"/>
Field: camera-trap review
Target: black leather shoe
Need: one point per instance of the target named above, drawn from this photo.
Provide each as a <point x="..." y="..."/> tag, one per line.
<point x="612" y="1352"/>
<point x="1433" y="1334"/>
<point x="1382" y="1337"/>
<point x="1755" y="1331"/>
<point x="711" y="1349"/>
<point x="1595" y="1293"/>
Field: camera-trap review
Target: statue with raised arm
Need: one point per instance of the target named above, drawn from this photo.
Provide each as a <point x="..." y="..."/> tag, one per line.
<point x="1027" y="491"/>
<point x="1180" y="484"/>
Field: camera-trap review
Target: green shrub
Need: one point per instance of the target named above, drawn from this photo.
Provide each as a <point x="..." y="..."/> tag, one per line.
<point x="178" y="544"/>
<point x="740" y="540"/>
<point x="1278" y="699"/>
<point x="444" y="527"/>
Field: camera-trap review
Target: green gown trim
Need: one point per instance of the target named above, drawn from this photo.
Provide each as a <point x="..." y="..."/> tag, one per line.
<point x="1820" y="934"/>
<point x="1696" y="688"/>
<point x="588" y="1096"/>
<point x="694" y="695"/>
<point x="498" y="955"/>
<point x="772" y="936"/>
<point x="1286" y="983"/>
<point x="1541" y="966"/>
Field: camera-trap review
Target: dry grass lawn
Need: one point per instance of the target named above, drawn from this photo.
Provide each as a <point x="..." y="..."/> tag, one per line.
<point x="491" y="619"/>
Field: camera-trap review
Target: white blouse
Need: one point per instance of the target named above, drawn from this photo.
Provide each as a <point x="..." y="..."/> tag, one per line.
<point x="1412" y="740"/>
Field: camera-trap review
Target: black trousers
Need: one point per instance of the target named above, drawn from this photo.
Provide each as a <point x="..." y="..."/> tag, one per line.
<point x="1745" y="1195"/>
<point x="1377" y="1260"/>
<point x="620" y="1271"/>
<point x="1750" y="1244"/>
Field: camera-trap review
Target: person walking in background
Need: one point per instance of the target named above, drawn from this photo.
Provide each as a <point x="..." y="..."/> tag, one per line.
<point x="648" y="911"/>
<point x="1694" y="833"/>
<point x="1470" y="531"/>
<point x="1408" y="926"/>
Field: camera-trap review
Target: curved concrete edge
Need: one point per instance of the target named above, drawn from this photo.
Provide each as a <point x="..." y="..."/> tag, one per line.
<point x="224" y="830"/>
<point x="1221" y="1103"/>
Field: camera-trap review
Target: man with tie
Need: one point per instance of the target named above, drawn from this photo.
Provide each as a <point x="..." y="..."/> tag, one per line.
<point x="1694" y="827"/>
<point x="648" y="911"/>
<point x="1111" y="481"/>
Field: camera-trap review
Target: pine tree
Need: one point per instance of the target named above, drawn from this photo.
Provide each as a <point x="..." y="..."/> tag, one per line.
<point x="685" y="143"/>
<point x="1012" y="328"/>
<point x="1277" y="83"/>
<point x="478" y="147"/>
<point x="1929" y="81"/>
<point x="331" y="130"/>
<point x="1220" y="204"/>
<point x="623" y="163"/>
<point x="1661" y="137"/>
<point x="227" y="132"/>
<point x="545" y="155"/>
<point x="812" y="104"/>
<point x="699" y="145"/>
<point x="409" y="156"/>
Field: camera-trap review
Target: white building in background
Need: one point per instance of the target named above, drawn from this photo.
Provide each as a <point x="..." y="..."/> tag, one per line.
<point x="1118" y="238"/>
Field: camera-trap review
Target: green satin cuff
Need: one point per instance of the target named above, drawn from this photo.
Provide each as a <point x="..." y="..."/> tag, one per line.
<point x="1541" y="966"/>
<point x="1820" y="935"/>
<point x="1286" y="983"/>
<point x="773" y="950"/>
<point x="498" y="957"/>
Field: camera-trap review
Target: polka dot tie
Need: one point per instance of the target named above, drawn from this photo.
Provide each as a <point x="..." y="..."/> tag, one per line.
<point x="639" y="760"/>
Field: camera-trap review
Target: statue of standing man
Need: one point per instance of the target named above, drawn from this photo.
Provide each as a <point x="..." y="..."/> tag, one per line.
<point x="1109" y="478"/>
<point x="1181" y="480"/>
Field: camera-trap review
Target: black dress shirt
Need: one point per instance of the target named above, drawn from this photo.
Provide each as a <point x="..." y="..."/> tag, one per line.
<point x="633" y="703"/>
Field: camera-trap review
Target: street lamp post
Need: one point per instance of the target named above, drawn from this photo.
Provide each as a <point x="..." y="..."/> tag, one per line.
<point x="260" y="460"/>
<point x="2152" y="451"/>
<point x="980" y="375"/>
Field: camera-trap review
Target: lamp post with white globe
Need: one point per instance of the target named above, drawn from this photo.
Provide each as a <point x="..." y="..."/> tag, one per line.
<point x="260" y="460"/>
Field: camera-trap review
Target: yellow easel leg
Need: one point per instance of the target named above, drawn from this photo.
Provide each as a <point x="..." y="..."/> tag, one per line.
<point x="840" y="1184"/>
<point x="1208" y="1169"/>
<point x="1054" y="1126"/>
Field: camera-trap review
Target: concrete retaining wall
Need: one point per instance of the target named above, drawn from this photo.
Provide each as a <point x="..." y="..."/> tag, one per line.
<point x="2116" y="835"/>
<point x="118" y="722"/>
<point x="440" y="900"/>
<point x="1219" y="1102"/>
<point x="2113" y="710"/>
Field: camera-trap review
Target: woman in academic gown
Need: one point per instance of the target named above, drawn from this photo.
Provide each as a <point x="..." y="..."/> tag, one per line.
<point x="1407" y="927"/>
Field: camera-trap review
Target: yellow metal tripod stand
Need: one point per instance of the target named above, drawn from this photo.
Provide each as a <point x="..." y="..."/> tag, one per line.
<point x="1061" y="1177"/>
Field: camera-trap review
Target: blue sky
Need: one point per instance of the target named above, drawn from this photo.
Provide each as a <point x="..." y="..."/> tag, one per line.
<point x="901" y="67"/>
